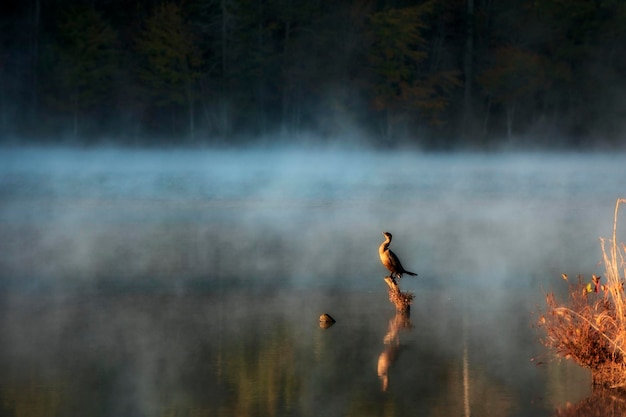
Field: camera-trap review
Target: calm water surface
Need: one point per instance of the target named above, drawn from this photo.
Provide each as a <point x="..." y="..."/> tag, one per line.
<point x="190" y="283"/>
<point x="261" y="354"/>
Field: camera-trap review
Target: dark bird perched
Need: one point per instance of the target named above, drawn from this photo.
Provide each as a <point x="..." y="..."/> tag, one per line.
<point x="390" y="260"/>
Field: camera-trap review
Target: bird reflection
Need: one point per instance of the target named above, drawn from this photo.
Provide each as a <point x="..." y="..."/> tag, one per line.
<point x="391" y="340"/>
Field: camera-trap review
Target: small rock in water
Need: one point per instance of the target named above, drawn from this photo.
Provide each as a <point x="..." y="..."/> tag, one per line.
<point x="326" y="321"/>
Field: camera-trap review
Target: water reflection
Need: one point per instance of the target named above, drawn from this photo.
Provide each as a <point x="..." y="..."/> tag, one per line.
<point x="392" y="348"/>
<point x="602" y="403"/>
<point x="136" y="271"/>
<point x="401" y="300"/>
<point x="265" y="355"/>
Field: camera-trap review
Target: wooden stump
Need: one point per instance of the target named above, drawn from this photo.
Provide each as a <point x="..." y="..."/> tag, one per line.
<point x="401" y="299"/>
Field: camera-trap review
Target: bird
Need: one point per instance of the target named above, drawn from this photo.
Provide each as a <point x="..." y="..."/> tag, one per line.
<point x="390" y="260"/>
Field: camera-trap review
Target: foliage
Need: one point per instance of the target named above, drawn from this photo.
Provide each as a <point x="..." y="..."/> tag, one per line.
<point x="170" y="57"/>
<point x="397" y="51"/>
<point x="591" y="328"/>
<point x="83" y="63"/>
<point x="515" y="74"/>
<point x="398" y="57"/>
<point x="261" y="65"/>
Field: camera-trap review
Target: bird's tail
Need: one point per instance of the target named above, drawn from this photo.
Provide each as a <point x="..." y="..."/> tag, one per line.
<point x="410" y="273"/>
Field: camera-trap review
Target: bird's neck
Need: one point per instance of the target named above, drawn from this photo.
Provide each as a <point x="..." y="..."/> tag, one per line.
<point x="384" y="246"/>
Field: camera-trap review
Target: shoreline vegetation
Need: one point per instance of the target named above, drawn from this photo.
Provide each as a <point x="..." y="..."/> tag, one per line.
<point x="590" y="326"/>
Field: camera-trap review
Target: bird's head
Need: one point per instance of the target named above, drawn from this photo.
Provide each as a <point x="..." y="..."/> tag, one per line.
<point x="387" y="235"/>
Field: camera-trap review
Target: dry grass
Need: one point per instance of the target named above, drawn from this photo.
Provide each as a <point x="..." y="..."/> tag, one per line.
<point x="590" y="328"/>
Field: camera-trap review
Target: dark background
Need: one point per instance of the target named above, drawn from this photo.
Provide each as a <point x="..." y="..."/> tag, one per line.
<point x="440" y="74"/>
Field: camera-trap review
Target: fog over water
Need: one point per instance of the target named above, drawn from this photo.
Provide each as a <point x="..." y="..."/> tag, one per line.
<point x="293" y="218"/>
<point x="148" y="281"/>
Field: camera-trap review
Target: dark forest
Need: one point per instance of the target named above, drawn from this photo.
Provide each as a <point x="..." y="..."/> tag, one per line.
<point x="438" y="74"/>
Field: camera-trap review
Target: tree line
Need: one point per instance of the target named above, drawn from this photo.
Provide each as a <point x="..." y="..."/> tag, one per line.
<point x="435" y="73"/>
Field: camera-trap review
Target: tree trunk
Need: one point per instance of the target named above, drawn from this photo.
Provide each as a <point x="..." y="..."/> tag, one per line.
<point x="3" y="111"/>
<point x="190" y="103"/>
<point x="173" y="121"/>
<point x="224" y="35"/>
<point x="34" y="81"/>
<point x="286" y="82"/>
<point x="468" y="65"/>
<point x="487" y="116"/>
<point x="192" y="125"/>
<point x="510" y="116"/>
<point x="75" y="125"/>
<point x="388" y="129"/>
<point x="261" y="114"/>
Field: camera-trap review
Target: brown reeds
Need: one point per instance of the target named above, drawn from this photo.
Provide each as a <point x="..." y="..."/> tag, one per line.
<point x="590" y="328"/>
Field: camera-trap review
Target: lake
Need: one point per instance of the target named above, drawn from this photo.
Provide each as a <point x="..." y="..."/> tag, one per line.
<point x="190" y="282"/>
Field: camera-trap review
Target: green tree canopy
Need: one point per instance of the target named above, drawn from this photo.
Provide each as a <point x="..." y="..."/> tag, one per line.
<point x="83" y="63"/>
<point x="170" y="59"/>
<point x="403" y="83"/>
